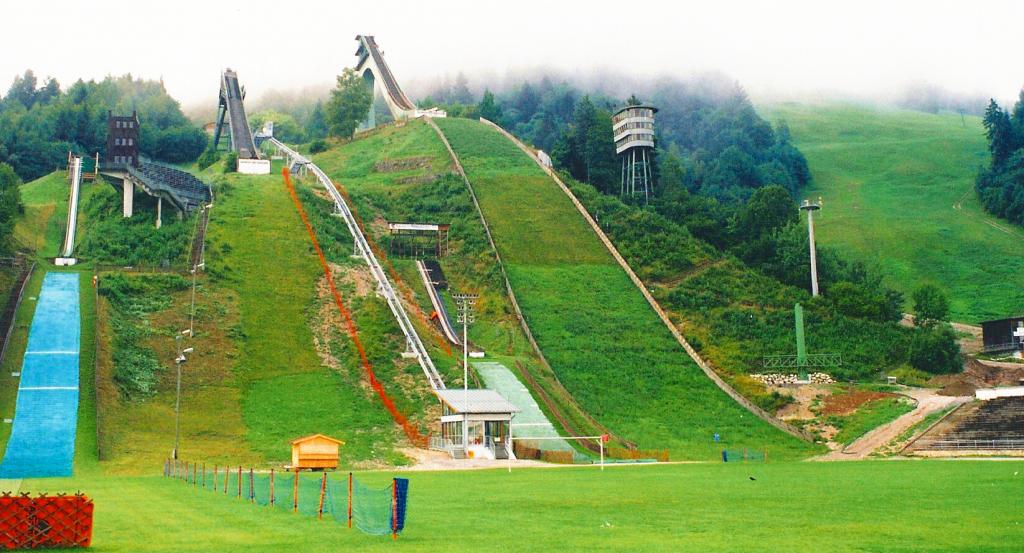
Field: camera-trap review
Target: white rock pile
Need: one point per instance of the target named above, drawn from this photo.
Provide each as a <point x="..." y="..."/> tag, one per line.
<point x="776" y="379"/>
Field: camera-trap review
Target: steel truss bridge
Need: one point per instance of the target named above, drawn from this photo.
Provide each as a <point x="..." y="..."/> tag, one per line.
<point x="810" y="360"/>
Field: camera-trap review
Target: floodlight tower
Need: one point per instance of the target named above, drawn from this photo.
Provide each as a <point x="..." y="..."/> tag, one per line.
<point x="810" y="207"/>
<point x="633" y="128"/>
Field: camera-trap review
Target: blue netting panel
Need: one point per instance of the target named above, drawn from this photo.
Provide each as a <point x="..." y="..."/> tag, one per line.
<point x="42" y="442"/>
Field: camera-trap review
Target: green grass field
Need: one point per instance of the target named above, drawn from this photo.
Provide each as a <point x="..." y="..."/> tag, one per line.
<point x="604" y="342"/>
<point x="879" y="506"/>
<point x="898" y="191"/>
<point x="42" y="227"/>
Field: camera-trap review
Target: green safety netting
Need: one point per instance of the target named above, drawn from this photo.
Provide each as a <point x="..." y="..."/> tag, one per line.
<point x="742" y="455"/>
<point x="372" y="508"/>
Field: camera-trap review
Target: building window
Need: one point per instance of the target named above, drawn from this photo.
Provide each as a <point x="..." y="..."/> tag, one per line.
<point x="129" y="160"/>
<point x="131" y="141"/>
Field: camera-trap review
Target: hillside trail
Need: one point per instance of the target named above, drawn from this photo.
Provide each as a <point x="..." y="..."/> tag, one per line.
<point x="970" y="343"/>
<point x="959" y="204"/>
<point x="928" y="401"/>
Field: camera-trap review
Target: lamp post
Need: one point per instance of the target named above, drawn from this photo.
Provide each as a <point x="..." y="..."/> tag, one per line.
<point x="466" y="316"/>
<point x="810" y="207"/>
<point x="192" y="312"/>
<point x="179" y="359"/>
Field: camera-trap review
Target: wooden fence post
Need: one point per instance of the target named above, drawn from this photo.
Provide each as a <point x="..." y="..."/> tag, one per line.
<point x="323" y="491"/>
<point x="295" y="493"/>
<point x="214" y="477"/>
<point x="272" y="502"/>
<point x="252" y="487"/>
<point x="239" y="481"/>
<point x="350" y="500"/>
<point x="204" y="476"/>
<point x="394" y="508"/>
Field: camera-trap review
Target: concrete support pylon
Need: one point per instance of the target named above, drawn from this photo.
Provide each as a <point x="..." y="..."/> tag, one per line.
<point x="128" y="197"/>
<point x="159" y="211"/>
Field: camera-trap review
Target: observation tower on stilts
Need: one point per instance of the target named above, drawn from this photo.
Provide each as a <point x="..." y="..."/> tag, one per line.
<point x="633" y="127"/>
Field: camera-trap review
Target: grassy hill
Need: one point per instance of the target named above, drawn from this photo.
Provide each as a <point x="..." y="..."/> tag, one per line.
<point x="405" y="174"/>
<point x="603" y="340"/>
<point x="898" y="188"/>
<point x="257" y="377"/>
<point x="42" y="227"/>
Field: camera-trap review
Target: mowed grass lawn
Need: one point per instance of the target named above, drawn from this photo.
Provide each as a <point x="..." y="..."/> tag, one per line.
<point x="603" y="340"/>
<point x="898" y="191"/>
<point x="877" y="506"/>
<point x="258" y="247"/>
<point x="42" y="227"/>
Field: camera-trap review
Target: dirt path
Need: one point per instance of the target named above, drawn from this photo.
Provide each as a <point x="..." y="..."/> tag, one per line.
<point x="927" y="402"/>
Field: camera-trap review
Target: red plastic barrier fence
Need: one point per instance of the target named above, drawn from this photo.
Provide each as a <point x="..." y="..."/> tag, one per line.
<point x="410" y="429"/>
<point x="45" y="521"/>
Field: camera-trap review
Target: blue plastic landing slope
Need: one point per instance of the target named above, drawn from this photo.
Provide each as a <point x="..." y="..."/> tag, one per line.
<point x="42" y="441"/>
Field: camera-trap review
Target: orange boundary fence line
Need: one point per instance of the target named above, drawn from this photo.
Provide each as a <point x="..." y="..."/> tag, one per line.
<point x="406" y="290"/>
<point x="411" y="431"/>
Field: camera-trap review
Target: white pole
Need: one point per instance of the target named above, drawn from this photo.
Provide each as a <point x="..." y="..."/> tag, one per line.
<point x="192" y="313"/>
<point x="511" y="445"/>
<point x="814" y="263"/>
<point x="177" y="397"/>
<point x="601" y="443"/>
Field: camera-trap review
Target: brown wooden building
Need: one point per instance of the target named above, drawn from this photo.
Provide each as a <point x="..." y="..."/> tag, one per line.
<point x="315" y="452"/>
<point x="122" y="140"/>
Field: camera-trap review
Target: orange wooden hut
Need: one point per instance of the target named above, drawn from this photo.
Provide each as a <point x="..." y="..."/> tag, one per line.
<point x="315" y="452"/>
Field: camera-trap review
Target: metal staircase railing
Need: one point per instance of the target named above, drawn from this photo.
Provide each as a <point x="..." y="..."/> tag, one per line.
<point x="362" y="247"/>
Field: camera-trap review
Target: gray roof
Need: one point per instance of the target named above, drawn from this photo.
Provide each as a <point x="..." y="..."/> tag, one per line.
<point x="476" y="401"/>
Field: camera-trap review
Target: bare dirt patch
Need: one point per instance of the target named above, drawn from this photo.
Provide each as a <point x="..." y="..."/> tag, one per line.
<point x="359" y="278"/>
<point x="848" y="402"/>
<point x="402" y="164"/>
<point x="978" y="374"/>
<point x="804" y="397"/>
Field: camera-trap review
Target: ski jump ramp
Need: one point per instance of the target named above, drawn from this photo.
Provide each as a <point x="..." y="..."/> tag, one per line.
<point x="371" y="65"/>
<point x="42" y="442"/>
<point x="68" y="247"/>
<point x="232" y="109"/>
<point x="435" y="300"/>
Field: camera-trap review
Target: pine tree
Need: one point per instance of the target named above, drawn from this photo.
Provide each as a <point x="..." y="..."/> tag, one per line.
<point x="488" y="108"/>
<point x="999" y="131"/>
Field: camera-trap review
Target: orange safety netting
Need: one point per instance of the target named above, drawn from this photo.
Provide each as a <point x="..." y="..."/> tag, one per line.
<point x="406" y="291"/>
<point x="46" y="521"/>
<point x="411" y="431"/>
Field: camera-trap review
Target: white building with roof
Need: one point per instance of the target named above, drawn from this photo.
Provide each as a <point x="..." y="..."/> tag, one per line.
<point x="475" y="424"/>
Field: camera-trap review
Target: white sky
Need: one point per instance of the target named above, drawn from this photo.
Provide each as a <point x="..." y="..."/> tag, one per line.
<point x="777" y="49"/>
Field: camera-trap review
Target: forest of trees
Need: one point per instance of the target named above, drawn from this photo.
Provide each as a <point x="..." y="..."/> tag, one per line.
<point x="10" y="207"/>
<point x="1000" y="186"/>
<point x="40" y="122"/>
<point x="714" y="142"/>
